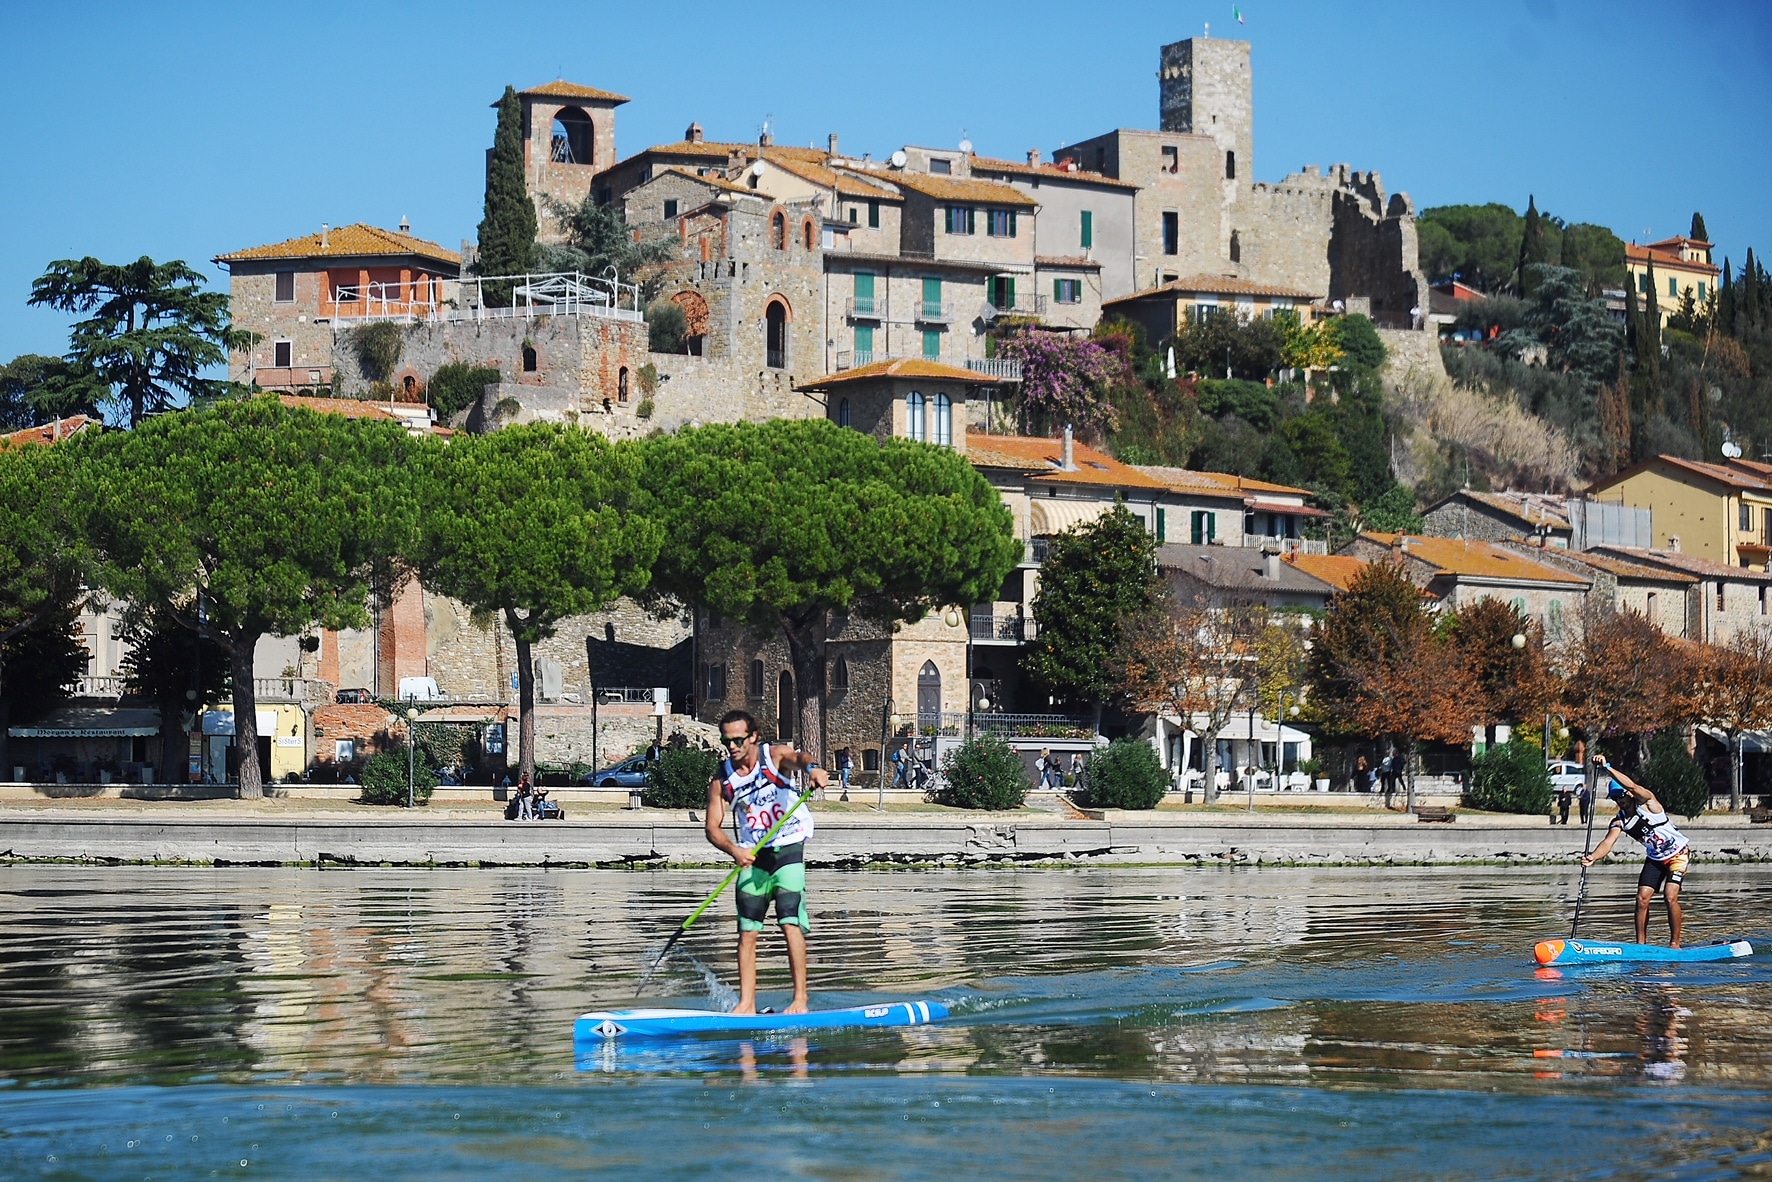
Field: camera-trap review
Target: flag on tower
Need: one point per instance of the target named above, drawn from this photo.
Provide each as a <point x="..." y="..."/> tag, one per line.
<point x="1238" y="13"/>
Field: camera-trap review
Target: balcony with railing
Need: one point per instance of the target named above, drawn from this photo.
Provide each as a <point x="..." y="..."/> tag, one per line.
<point x="1001" y="369"/>
<point x="934" y="312"/>
<point x="1272" y="542"/>
<point x="865" y="307"/>
<point x="996" y="367"/>
<point x="489" y="297"/>
<point x="995" y="626"/>
<point x="1019" y="303"/>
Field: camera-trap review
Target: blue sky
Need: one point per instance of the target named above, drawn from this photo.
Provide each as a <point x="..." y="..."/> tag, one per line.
<point x="185" y="130"/>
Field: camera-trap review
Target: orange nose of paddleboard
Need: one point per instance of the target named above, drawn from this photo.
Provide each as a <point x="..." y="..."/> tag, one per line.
<point x="1547" y="951"/>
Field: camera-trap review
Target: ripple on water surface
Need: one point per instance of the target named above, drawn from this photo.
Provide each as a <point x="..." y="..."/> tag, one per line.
<point x="1125" y="1021"/>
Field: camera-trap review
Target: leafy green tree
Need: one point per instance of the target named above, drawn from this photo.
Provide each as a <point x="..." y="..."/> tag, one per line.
<point x="35" y="389"/>
<point x="597" y="238"/>
<point x="246" y="520"/>
<point x="1478" y="244"/>
<point x="41" y="566"/>
<point x="174" y="667"/>
<point x="534" y="523"/>
<point x="667" y="328"/>
<point x="1323" y="462"/>
<point x="1127" y="774"/>
<point x="377" y="347"/>
<point x="457" y="386"/>
<point x="1511" y="778"/>
<point x="384" y="777"/>
<point x="1095" y="577"/>
<point x="151" y="330"/>
<point x="1361" y="347"/>
<point x="679" y="779"/>
<point x="1597" y="253"/>
<point x="1251" y="349"/>
<point x="779" y="524"/>
<point x="983" y="773"/>
<point x="1393" y="512"/>
<point x="508" y="227"/>
<point x="1674" y="776"/>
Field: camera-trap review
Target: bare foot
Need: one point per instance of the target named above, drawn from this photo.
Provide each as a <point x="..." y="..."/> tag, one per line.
<point x="799" y="1006"/>
<point x="1675" y="944"/>
<point x="746" y="1008"/>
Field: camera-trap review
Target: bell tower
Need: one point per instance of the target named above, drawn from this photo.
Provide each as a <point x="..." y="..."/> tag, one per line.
<point x="568" y="137"/>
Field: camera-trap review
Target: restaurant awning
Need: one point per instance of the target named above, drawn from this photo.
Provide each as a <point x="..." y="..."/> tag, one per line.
<point x="91" y="722"/>
<point x="1053" y="516"/>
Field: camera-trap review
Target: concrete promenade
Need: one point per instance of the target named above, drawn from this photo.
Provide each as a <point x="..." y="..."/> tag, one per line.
<point x="651" y="838"/>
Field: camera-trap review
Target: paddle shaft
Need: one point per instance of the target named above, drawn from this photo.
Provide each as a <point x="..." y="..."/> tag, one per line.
<point x="731" y="876"/>
<point x="1593" y="806"/>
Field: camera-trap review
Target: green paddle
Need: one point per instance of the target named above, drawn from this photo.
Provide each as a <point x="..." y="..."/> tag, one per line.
<point x="709" y="901"/>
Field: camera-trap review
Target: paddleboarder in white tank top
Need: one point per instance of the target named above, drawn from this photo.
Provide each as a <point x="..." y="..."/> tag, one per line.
<point x="1666" y="851"/>
<point x="754" y="781"/>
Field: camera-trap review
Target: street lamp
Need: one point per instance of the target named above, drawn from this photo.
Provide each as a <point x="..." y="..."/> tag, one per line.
<point x="1562" y="731"/>
<point x="1519" y="640"/>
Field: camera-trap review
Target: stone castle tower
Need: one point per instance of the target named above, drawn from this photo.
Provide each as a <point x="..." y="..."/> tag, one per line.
<point x="568" y="137"/>
<point x="1206" y="88"/>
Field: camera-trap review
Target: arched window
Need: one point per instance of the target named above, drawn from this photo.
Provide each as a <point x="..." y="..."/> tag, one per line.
<point x="775" y="335"/>
<point x="929" y="691"/>
<point x="575" y="138"/>
<point x="785" y="706"/>
<point x="1230" y="166"/>
<point x="809" y="234"/>
<point x="695" y="318"/>
<point x="755" y="684"/>
<point x="621" y="384"/>
<point x="914" y="426"/>
<point x="530" y="361"/>
<point x="843" y="413"/>
<point x="944" y="421"/>
<point x="780" y="231"/>
<point x="1236" y="248"/>
<point x="840" y="674"/>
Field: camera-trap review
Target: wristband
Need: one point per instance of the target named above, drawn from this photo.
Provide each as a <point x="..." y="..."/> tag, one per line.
<point x="810" y="766"/>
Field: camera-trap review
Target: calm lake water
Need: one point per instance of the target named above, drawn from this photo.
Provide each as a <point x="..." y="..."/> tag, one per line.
<point x="1121" y="1023"/>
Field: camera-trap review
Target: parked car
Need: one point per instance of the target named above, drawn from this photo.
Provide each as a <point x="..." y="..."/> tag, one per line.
<point x="420" y="689"/>
<point x="353" y="697"/>
<point x="1566" y="773"/>
<point x="629" y="773"/>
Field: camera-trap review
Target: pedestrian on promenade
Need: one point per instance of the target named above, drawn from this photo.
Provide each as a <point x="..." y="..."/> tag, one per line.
<point x="1387" y="770"/>
<point x="754" y="780"/>
<point x="1042" y="768"/>
<point x="1666" y="851"/>
<point x="1363" y="776"/>
<point x="1076" y="769"/>
<point x="1565" y="798"/>
<point x="846" y="768"/>
<point x="901" y="768"/>
<point x="1585" y="798"/>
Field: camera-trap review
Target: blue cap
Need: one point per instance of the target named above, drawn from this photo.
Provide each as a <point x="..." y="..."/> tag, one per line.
<point x="1615" y="792"/>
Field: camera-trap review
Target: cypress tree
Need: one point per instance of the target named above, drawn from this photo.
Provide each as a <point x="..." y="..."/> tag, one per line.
<point x="1649" y="340"/>
<point x="507" y="232"/>
<point x="1698" y="227"/>
<point x="1748" y="297"/>
<point x="1726" y="302"/>
<point x="1534" y="248"/>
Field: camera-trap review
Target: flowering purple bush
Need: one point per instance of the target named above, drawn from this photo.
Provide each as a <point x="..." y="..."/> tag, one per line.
<point x="1066" y="378"/>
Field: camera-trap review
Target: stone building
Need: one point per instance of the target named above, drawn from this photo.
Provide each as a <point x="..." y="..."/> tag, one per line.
<point x="1459" y="572"/>
<point x="295" y="294"/>
<point x="1500" y="517"/>
<point x="568" y="137"/>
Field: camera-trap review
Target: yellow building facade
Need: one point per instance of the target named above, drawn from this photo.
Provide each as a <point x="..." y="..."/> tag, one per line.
<point x="1680" y="265"/>
<point x="1722" y="512"/>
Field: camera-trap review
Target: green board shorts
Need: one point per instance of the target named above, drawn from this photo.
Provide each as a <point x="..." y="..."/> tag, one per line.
<point x="778" y="874"/>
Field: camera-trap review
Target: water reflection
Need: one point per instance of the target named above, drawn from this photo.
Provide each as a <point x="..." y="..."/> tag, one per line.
<point x="1203" y="976"/>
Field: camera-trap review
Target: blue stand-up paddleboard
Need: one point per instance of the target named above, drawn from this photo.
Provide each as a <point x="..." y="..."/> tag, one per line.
<point x="1560" y="952"/>
<point x="661" y="1023"/>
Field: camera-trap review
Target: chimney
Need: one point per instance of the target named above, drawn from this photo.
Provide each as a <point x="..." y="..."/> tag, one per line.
<point x="693" y="134"/>
<point x="405" y="226"/>
<point x="324" y="228"/>
<point x="1034" y="157"/>
<point x="1271" y="560"/>
<point x="1070" y="452"/>
<point x="765" y="139"/>
<point x="832" y="150"/>
<point x="1673" y="543"/>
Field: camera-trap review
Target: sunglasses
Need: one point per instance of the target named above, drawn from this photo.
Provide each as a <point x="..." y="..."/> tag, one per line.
<point x="735" y="740"/>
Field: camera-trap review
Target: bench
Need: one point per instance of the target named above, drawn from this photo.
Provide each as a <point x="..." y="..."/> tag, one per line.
<point x="1759" y="816"/>
<point x="1435" y="813"/>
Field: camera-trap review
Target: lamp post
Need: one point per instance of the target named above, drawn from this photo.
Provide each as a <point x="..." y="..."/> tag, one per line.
<point x="1562" y="731"/>
<point x="1285" y="712"/>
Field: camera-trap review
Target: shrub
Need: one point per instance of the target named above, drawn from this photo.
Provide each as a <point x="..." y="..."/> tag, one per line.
<point x="983" y="773"/>
<point x="384" y="779"/>
<point x="667" y="327"/>
<point x="457" y="386"/>
<point x="377" y="348"/>
<point x="679" y="780"/>
<point x="1510" y="778"/>
<point x="1675" y="777"/>
<point x="1127" y="775"/>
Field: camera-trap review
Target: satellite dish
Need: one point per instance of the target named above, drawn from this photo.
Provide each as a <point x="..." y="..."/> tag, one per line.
<point x="899" y="158"/>
<point x="966" y="146"/>
<point x="987" y="312"/>
<point x="1731" y="451"/>
<point x="757" y="169"/>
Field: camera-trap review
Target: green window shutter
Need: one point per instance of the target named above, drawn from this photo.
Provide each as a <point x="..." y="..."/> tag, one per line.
<point x="931" y="343"/>
<point x="864" y="338"/>
<point x="1673" y="286"/>
<point x="873" y="215"/>
<point x="864" y="285"/>
<point x="931" y="290"/>
<point x="1058" y="291"/>
<point x="1012" y="223"/>
<point x="1211" y="526"/>
<point x="1162" y="526"/>
<point x="1088" y="234"/>
<point x="1009" y="291"/>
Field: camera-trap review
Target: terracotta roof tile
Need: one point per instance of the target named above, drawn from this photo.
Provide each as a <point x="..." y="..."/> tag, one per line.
<point x="947" y="188"/>
<point x="715" y="182"/>
<point x="1690" y="564"/>
<point x="1017" y="168"/>
<point x="1627" y="570"/>
<point x="344" y="242"/>
<point x="1078" y="262"/>
<point x="1238" y="568"/>
<point x="563" y="89"/>
<point x="903" y="367"/>
<point x="1338" y="570"/>
<point x="1218" y="285"/>
<point x="1039" y="458"/>
<point x="1478" y="560"/>
<point x="1669" y="259"/>
<point x="1732" y="477"/>
<point x="1188" y="480"/>
<point x="1530" y="508"/>
<point x="47" y="433"/>
<point x="829" y="178"/>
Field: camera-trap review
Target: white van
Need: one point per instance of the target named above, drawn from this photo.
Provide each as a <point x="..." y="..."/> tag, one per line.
<point x="420" y="689"/>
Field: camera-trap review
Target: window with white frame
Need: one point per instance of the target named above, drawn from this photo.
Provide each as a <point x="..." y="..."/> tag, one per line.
<point x="914" y="424"/>
<point x="944" y="421"/>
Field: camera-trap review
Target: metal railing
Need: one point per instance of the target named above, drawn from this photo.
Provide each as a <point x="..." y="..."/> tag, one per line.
<point x="420" y="299"/>
<point x="961" y="724"/>
<point x="553" y="293"/>
<point x="996" y="367"/>
<point x="98" y="687"/>
<point x="1005" y="370"/>
<point x="1036" y="551"/>
<point x="633" y="695"/>
<point x="865" y="307"/>
<point x="934" y="312"/>
<point x="993" y="626"/>
<point x="1022" y="303"/>
<point x="1286" y="545"/>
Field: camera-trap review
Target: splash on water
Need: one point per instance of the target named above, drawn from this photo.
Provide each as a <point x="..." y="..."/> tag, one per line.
<point x="723" y="997"/>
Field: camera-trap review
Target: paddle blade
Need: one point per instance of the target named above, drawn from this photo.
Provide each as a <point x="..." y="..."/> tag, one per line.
<point x="669" y="944"/>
